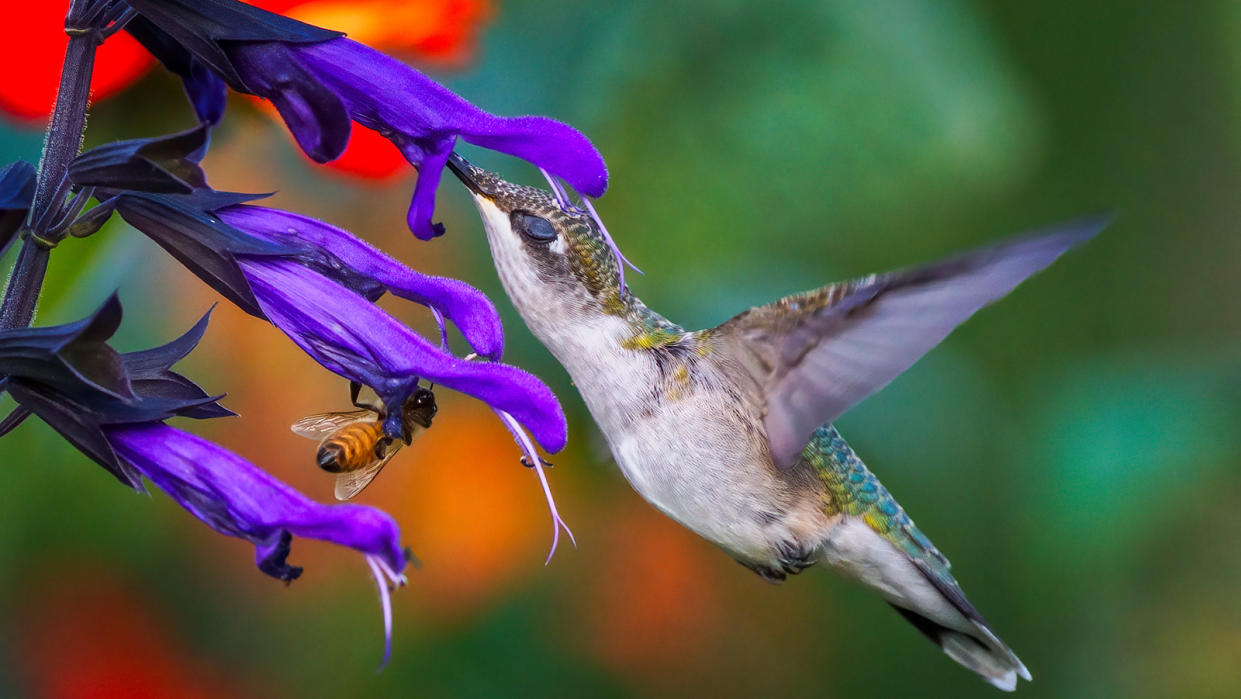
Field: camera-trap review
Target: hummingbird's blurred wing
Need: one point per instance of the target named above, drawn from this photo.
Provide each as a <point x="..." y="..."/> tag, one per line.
<point x="819" y="353"/>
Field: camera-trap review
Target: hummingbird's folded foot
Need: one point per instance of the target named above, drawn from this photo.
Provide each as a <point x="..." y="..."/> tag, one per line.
<point x="791" y="559"/>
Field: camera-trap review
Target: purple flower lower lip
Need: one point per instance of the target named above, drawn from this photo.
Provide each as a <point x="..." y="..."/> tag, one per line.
<point x="236" y="498"/>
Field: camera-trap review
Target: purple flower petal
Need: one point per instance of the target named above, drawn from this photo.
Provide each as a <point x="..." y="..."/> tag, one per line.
<point x="552" y="145"/>
<point x="16" y="192"/>
<point x="352" y="337"/>
<point x="234" y="497"/>
<point x="314" y="114"/>
<point x="205" y="90"/>
<point x="468" y="308"/>
<point x="430" y="170"/>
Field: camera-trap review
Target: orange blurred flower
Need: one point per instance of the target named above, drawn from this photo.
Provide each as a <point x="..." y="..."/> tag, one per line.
<point x="436" y="31"/>
<point x="651" y="609"/>
<point x="472" y="514"/>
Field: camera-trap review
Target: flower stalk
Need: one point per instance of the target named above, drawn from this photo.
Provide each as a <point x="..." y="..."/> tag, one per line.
<point x="60" y="145"/>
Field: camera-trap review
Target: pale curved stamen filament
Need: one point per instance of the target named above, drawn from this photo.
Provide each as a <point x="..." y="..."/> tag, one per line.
<point x="380" y="570"/>
<point x="439" y="320"/>
<point x="567" y="204"/>
<point x="561" y="195"/>
<point x="527" y="447"/>
<point x="621" y="260"/>
<point x="395" y="578"/>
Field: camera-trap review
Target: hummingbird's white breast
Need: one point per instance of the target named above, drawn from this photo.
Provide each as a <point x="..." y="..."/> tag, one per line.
<point x="682" y="431"/>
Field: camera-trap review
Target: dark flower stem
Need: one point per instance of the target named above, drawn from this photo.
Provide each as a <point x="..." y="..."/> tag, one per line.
<point x="24" y="285"/>
<point x="64" y="138"/>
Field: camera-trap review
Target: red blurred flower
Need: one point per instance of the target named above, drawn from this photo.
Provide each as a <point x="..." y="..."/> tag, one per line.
<point x="435" y="31"/>
<point x="103" y="641"/>
<point x="32" y="52"/>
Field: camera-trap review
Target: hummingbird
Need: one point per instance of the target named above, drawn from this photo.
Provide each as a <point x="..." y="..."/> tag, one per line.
<point x="728" y="430"/>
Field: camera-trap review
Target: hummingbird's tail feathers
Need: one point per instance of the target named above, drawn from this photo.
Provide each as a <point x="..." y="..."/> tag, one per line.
<point x="921" y="589"/>
<point x="984" y="654"/>
<point x="819" y="353"/>
<point x="875" y="542"/>
<point x="973" y="645"/>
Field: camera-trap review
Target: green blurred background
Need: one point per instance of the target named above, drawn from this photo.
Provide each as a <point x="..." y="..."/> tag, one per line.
<point x="1074" y="450"/>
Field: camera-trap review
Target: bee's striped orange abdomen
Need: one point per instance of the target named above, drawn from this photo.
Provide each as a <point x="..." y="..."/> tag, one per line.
<point x="351" y="447"/>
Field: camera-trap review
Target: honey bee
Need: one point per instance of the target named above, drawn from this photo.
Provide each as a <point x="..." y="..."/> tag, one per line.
<point x="352" y="444"/>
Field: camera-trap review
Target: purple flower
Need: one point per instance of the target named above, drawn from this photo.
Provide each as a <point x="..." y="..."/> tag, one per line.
<point x="321" y="82"/>
<point x="422" y="118"/>
<point x="111" y="406"/>
<point x="318" y="284"/>
<point x="354" y="338"/>
<point x="319" y="87"/>
<point x="236" y="498"/>
<point x="351" y="336"/>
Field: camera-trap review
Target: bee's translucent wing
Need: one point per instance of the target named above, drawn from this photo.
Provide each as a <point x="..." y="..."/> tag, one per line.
<point x="319" y="427"/>
<point x="350" y="483"/>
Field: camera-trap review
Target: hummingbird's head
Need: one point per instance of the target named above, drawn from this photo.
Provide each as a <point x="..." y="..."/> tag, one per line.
<point x="555" y="264"/>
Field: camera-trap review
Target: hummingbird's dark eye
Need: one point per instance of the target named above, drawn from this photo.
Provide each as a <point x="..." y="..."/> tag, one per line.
<point x="534" y="228"/>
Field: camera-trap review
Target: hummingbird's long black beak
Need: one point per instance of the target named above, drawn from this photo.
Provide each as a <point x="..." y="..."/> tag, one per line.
<point x="465" y="172"/>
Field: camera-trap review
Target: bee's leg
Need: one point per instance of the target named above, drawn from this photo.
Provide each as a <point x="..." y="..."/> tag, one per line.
<point x="355" y="391"/>
<point x="381" y="447"/>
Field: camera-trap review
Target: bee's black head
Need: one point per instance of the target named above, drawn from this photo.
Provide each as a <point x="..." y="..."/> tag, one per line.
<point x="420" y="407"/>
